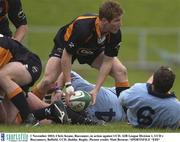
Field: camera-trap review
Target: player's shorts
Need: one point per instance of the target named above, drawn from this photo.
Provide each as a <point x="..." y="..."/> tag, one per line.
<point x="89" y="59"/>
<point x="34" y="67"/>
<point x="57" y="52"/>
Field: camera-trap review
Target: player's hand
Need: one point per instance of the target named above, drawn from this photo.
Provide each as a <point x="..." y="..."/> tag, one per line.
<point x="69" y="92"/>
<point x="93" y="93"/>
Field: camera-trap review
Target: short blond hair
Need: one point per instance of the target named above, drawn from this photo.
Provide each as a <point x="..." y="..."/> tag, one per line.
<point x="110" y="9"/>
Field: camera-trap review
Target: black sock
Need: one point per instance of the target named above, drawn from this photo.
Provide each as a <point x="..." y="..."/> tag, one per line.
<point x="20" y="102"/>
<point x="120" y="89"/>
<point x="44" y="113"/>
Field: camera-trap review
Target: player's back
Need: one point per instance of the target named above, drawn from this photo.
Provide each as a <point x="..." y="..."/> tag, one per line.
<point x="107" y="106"/>
<point x="146" y="110"/>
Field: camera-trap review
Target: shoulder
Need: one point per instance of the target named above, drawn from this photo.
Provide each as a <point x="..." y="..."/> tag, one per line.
<point x="138" y="87"/>
<point x="135" y="90"/>
<point x="84" y="24"/>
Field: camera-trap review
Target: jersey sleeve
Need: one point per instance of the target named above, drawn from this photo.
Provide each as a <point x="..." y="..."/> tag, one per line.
<point x="16" y="14"/>
<point x="112" y="44"/>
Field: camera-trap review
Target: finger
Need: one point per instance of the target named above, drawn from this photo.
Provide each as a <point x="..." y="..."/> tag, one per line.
<point x="93" y="100"/>
<point x="67" y="99"/>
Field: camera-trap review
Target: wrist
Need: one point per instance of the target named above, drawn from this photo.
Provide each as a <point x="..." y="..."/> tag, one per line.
<point x="69" y="88"/>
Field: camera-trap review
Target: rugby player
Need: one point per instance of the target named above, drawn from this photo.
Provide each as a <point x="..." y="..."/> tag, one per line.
<point x="56" y="112"/>
<point x="152" y="104"/>
<point x="93" y="40"/>
<point x="12" y="10"/>
<point x="40" y="111"/>
<point x="19" y="69"/>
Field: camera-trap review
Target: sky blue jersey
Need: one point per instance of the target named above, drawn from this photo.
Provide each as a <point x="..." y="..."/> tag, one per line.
<point x="146" y="110"/>
<point x="107" y="105"/>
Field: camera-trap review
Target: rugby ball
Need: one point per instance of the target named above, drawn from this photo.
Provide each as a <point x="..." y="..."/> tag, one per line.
<point x="80" y="101"/>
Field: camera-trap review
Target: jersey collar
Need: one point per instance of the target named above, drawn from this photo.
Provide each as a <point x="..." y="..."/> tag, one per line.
<point x="97" y="25"/>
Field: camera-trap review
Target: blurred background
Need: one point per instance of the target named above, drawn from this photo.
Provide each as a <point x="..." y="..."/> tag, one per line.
<point x="150" y="32"/>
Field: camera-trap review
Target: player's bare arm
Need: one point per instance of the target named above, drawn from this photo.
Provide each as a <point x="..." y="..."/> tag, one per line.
<point x="20" y="32"/>
<point x="66" y="69"/>
<point x="103" y="73"/>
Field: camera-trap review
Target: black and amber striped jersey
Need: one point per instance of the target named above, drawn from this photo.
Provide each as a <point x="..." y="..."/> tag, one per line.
<point x="11" y="9"/>
<point x="82" y="38"/>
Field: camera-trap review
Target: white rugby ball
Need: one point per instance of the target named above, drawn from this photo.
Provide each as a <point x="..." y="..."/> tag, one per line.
<point x="80" y="101"/>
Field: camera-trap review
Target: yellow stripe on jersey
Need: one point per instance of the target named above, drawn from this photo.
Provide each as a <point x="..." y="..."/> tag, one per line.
<point x="5" y="56"/>
<point x="70" y="28"/>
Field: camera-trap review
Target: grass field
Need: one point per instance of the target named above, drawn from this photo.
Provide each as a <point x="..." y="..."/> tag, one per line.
<point x="138" y="13"/>
<point x="111" y="127"/>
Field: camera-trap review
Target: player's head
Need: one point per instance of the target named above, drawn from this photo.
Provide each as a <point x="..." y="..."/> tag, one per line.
<point x="110" y="13"/>
<point x="163" y="79"/>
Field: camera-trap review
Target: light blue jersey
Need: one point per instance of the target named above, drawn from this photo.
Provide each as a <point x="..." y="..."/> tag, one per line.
<point x="145" y="110"/>
<point x="107" y="105"/>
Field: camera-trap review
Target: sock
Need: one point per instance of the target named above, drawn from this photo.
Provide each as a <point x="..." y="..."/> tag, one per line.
<point x="121" y="86"/>
<point x="44" y="113"/>
<point x="37" y="92"/>
<point x="18" y="99"/>
<point x="47" y="98"/>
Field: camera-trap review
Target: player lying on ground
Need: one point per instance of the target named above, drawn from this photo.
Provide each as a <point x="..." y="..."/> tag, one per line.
<point x="107" y="106"/>
<point x="55" y="112"/>
<point x="9" y="114"/>
<point x="152" y="104"/>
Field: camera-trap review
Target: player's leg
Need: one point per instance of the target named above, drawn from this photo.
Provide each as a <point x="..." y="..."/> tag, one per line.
<point x="9" y="113"/>
<point x="52" y="71"/>
<point x="34" y="102"/>
<point x="118" y="72"/>
<point x="39" y="111"/>
<point x="3" y="113"/>
<point x="13" y="116"/>
<point x="12" y="76"/>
